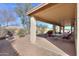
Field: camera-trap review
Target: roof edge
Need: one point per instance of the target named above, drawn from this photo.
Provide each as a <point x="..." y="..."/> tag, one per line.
<point x="36" y="8"/>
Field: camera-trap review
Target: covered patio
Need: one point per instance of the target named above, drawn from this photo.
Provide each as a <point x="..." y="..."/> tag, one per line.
<point x="62" y="14"/>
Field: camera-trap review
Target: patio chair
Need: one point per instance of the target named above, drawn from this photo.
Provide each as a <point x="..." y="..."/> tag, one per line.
<point x="68" y="36"/>
<point x="49" y="33"/>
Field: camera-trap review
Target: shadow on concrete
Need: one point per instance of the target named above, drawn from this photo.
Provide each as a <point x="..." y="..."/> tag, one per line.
<point x="67" y="46"/>
<point x="6" y="49"/>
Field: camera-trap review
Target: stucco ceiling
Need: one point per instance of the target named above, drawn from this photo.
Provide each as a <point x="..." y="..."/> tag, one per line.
<point x="59" y="14"/>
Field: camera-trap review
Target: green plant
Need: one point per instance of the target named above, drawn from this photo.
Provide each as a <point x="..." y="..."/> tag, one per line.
<point x="21" y="33"/>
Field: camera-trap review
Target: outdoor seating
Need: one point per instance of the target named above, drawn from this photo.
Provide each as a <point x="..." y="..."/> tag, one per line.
<point x="67" y="35"/>
<point x="49" y="33"/>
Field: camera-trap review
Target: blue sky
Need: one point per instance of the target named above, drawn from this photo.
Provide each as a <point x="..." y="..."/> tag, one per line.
<point x="12" y="6"/>
<point x="9" y="7"/>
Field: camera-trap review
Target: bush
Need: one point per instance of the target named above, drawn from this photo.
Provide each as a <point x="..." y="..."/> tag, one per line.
<point x="4" y="32"/>
<point x="21" y="33"/>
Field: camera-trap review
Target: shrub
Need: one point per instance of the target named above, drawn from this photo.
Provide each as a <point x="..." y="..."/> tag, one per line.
<point x="21" y="33"/>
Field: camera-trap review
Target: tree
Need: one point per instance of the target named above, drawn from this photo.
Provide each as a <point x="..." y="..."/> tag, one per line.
<point x="21" y="9"/>
<point x="7" y="16"/>
<point x="41" y="27"/>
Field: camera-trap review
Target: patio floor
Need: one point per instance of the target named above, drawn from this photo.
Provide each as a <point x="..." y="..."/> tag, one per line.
<point x="25" y="48"/>
<point x="65" y="45"/>
<point x="22" y="47"/>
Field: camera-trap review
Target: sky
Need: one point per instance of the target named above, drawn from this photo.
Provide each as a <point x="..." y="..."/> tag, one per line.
<point x="12" y="6"/>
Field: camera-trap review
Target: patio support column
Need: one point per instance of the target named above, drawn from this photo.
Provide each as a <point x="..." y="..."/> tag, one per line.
<point x="71" y="28"/>
<point x="54" y="29"/>
<point x="77" y="30"/>
<point x="60" y="29"/>
<point x="76" y="35"/>
<point x="33" y="30"/>
<point x="72" y="24"/>
<point x="63" y="29"/>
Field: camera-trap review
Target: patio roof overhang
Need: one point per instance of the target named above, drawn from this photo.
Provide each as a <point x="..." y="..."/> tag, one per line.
<point x="60" y="14"/>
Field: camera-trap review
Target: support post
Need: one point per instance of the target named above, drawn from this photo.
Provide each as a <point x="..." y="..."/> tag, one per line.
<point x="71" y="28"/>
<point x="33" y="30"/>
<point x="63" y="29"/>
<point x="60" y="29"/>
<point x="77" y="31"/>
<point x="54" y="29"/>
